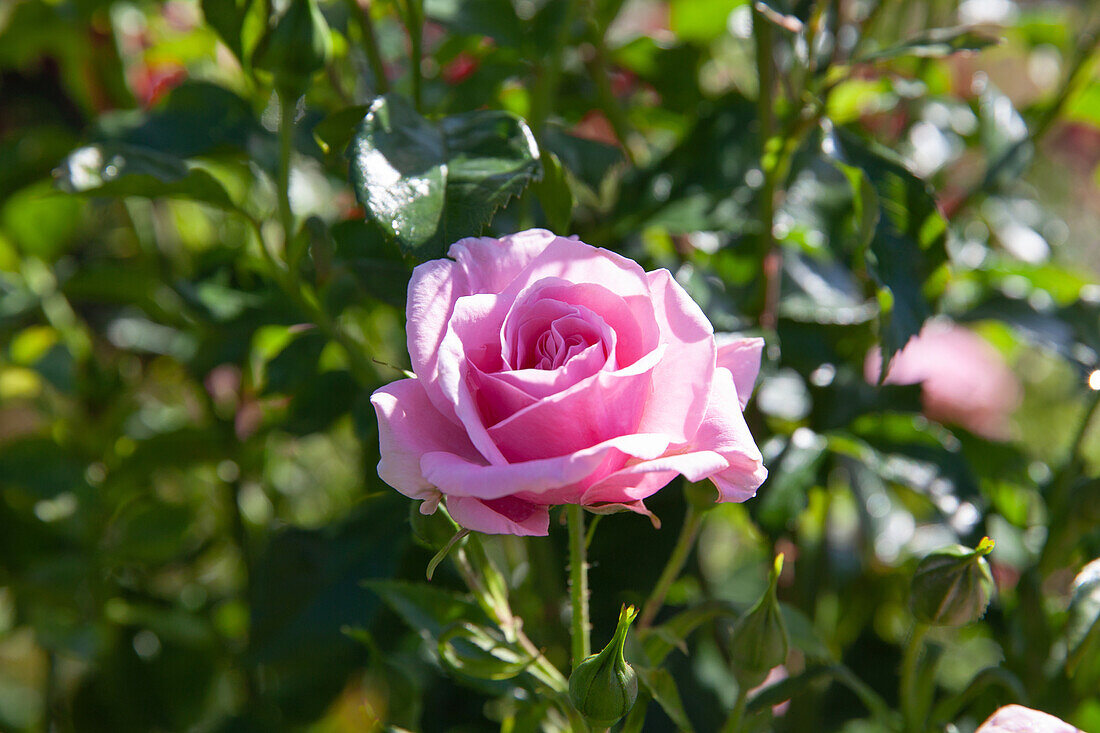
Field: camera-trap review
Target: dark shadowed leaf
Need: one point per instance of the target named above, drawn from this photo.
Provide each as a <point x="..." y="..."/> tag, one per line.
<point x="661" y="685"/>
<point x="123" y="170"/>
<point x="934" y="43"/>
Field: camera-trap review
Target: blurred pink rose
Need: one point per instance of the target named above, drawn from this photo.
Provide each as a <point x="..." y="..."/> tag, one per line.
<point x="551" y="372"/>
<point x="1018" y="719"/>
<point x="964" y="379"/>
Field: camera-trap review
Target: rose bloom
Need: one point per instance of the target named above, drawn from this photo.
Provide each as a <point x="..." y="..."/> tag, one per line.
<point x="1018" y="719"/>
<point x="964" y="380"/>
<point x="551" y="372"/>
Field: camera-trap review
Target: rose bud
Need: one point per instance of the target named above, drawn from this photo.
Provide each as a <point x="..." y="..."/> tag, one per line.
<point x="760" y="637"/>
<point x="296" y="46"/>
<point x="604" y="687"/>
<point x="953" y="586"/>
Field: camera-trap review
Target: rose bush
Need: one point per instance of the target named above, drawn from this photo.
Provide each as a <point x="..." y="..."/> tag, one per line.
<point x="552" y="372"/>
<point x="964" y="380"/>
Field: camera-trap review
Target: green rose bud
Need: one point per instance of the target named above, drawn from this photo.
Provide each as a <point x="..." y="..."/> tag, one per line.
<point x="296" y="46"/>
<point x="759" y="640"/>
<point x="604" y="687"/>
<point x="953" y="586"/>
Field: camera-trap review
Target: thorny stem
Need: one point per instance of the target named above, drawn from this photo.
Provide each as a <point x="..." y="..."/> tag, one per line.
<point x="578" y="584"/>
<point x="675" y="565"/>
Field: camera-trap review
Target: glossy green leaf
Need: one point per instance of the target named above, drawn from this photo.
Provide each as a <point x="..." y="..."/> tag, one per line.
<point x="399" y="171"/>
<point x="496" y="19"/>
<point x="429" y="185"/>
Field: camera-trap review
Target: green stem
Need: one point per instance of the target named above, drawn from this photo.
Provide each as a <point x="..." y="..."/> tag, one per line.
<point x="578" y="585"/>
<point x="909" y="702"/>
<point x="675" y="565"/>
<point x="769" y="163"/>
<point x="414" y="24"/>
<point x="735" y="722"/>
<point x="287" y="105"/>
<point x="361" y="14"/>
<point x="548" y="74"/>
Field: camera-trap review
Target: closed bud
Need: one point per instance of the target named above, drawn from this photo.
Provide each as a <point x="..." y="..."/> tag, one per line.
<point x="296" y="46"/>
<point x="953" y="586"/>
<point x="760" y="637"/>
<point x="604" y="687"/>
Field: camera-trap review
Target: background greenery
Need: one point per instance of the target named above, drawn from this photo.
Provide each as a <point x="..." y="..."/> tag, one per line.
<point x="188" y="501"/>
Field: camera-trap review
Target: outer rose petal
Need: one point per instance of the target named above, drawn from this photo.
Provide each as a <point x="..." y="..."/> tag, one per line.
<point x="682" y="380"/>
<point x="433" y="290"/>
<point x="492" y="264"/>
<point x="742" y="357"/>
<point x="1018" y="719"/>
<point x="408" y="427"/>
<point x="559" y="480"/>
<point x="724" y="431"/>
<point x="500" y="516"/>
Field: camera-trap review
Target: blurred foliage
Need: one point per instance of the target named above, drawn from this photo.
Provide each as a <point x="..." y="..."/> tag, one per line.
<point x="200" y="286"/>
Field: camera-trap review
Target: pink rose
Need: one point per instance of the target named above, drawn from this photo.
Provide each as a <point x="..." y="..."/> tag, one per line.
<point x="1018" y="719"/>
<point x="551" y="372"/>
<point x="964" y="379"/>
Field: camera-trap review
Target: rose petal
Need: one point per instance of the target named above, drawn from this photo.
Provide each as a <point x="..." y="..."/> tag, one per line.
<point x="433" y="290"/>
<point x="576" y="262"/>
<point x="724" y="431"/>
<point x="559" y="480"/>
<point x="681" y="381"/>
<point x="408" y="427"/>
<point x="1018" y="719"/>
<point x="742" y="357"/>
<point x="472" y="334"/>
<point x="645" y="478"/>
<point x="603" y="406"/>
<point x="500" y="516"/>
<point x="490" y="265"/>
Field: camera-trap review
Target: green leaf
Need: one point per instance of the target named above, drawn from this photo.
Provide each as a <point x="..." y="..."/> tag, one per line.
<point x="115" y="169"/>
<point x="337" y="129"/>
<point x="554" y="194"/>
<point x="1083" y="629"/>
<point x="306" y="589"/>
<point x="429" y="185"/>
<point x="399" y="172"/>
<point x="701" y="20"/>
<point x="425" y="607"/>
<point x="492" y="157"/>
<point x="227" y="17"/>
<point x="659" y="641"/>
<point x="909" y="241"/>
<point x="589" y="161"/>
<point x="934" y="43"/>
<point x="475" y="651"/>
<point x="373" y="263"/>
<point x="661" y="685"/>
<point x="496" y="19"/>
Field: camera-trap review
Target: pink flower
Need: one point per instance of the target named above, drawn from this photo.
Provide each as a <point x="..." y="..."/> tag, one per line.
<point x="964" y="379"/>
<point x="1018" y="719"/>
<point x="551" y="372"/>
